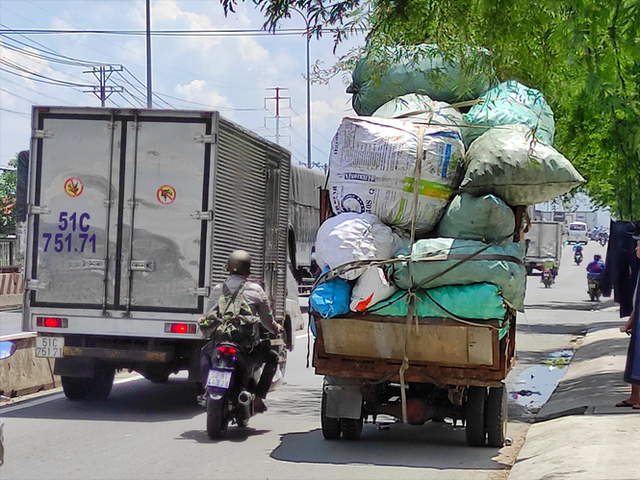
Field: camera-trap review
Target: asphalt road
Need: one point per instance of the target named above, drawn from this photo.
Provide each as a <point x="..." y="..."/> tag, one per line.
<point x="156" y="431"/>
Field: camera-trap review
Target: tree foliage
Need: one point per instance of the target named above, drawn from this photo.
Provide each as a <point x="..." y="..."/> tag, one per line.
<point x="8" y="181"/>
<point x="584" y="55"/>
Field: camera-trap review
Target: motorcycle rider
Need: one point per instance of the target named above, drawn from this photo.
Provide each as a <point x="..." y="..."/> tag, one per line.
<point x="578" y="250"/>
<point x="549" y="263"/>
<point x="595" y="268"/>
<point x="239" y="267"/>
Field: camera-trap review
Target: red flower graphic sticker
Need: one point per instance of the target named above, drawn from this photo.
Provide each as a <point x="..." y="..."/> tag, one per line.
<point x="73" y="187"/>
<point x="166" y="194"/>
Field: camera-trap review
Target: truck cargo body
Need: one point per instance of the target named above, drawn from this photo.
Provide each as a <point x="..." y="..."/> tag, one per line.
<point x="543" y="238"/>
<point x="416" y="369"/>
<point x="131" y="217"/>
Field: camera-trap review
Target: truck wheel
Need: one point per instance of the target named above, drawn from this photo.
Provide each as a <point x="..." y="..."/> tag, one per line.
<point x="73" y="388"/>
<point x="351" y="428"/>
<point x="475" y="416"/>
<point x="497" y="416"/>
<point x="217" y="418"/>
<point x="99" y="387"/>
<point x="331" y="427"/>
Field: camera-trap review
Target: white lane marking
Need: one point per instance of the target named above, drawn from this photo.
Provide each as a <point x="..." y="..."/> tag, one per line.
<point x="304" y="335"/>
<point x="54" y="396"/>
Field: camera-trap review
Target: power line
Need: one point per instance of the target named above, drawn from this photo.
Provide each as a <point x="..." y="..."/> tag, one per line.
<point x="161" y="33"/>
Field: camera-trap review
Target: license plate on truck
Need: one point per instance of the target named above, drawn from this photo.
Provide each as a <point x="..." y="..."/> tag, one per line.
<point x="49" y="347"/>
<point x="219" y="379"/>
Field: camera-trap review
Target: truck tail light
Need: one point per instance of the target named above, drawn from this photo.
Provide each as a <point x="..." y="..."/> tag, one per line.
<point x="186" y="328"/>
<point x="52" y="322"/>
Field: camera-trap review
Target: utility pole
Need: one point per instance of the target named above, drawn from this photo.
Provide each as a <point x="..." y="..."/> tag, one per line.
<point x="102" y="74"/>
<point x="308" y="35"/>
<point x="278" y="98"/>
<point x="149" y="94"/>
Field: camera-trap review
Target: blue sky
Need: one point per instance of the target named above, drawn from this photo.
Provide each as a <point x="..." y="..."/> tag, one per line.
<point x="232" y="74"/>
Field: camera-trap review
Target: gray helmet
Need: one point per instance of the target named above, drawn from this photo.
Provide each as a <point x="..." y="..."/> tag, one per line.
<point x="239" y="262"/>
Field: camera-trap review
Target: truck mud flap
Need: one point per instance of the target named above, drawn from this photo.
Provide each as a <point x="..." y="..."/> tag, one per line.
<point x="344" y="398"/>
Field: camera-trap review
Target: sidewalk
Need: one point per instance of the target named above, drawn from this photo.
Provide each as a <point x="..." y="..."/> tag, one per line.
<point x="579" y="433"/>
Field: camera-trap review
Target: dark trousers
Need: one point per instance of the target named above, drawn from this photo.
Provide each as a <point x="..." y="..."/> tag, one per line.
<point x="261" y="353"/>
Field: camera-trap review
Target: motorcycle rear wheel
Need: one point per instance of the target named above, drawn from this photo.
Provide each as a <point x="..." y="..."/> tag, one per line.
<point x="217" y="418"/>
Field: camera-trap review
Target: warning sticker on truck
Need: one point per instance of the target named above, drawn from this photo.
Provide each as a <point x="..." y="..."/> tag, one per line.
<point x="73" y="187"/>
<point x="166" y="194"/>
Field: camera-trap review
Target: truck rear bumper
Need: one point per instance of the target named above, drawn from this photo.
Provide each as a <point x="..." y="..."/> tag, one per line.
<point x="121" y="355"/>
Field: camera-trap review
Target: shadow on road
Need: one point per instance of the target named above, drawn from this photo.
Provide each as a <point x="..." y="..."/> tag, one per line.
<point x="586" y="305"/>
<point x="433" y="445"/>
<point x="234" y="434"/>
<point x="135" y="401"/>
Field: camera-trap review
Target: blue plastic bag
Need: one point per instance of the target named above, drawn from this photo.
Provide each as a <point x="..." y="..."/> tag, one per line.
<point x="331" y="298"/>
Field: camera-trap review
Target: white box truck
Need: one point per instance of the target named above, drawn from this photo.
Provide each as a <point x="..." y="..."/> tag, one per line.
<point x="542" y="239"/>
<point x="131" y="217"/>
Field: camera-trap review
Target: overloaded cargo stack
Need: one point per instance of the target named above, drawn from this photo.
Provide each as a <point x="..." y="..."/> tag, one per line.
<point x="423" y="251"/>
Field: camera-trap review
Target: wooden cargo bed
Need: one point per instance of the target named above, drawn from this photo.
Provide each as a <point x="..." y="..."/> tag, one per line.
<point x="441" y="351"/>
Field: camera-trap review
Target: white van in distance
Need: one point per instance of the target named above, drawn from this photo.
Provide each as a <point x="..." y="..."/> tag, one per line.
<point x="578" y="233"/>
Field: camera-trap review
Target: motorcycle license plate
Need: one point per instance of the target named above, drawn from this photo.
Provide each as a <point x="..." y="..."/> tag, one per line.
<point x="219" y="379"/>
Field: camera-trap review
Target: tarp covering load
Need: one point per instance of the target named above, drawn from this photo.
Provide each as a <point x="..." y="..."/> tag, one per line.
<point x="420" y="109"/>
<point x="372" y="166"/>
<point x="418" y="69"/>
<point x="480" y="301"/>
<point x="348" y="237"/>
<point x="509" y="163"/>
<point x="510" y="103"/>
<point x="485" y="218"/>
<point x="447" y="261"/>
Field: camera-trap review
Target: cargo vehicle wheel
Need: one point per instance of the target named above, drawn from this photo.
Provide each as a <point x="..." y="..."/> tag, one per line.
<point x="351" y="428"/>
<point x="497" y="416"/>
<point x="474" y="411"/>
<point x="217" y="418"/>
<point x="331" y="427"/>
<point x="73" y="388"/>
<point x="99" y="387"/>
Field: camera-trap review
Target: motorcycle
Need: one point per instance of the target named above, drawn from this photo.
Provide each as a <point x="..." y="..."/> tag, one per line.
<point x="593" y="287"/>
<point x="547" y="278"/>
<point x="602" y="240"/>
<point x="228" y="388"/>
<point x="578" y="258"/>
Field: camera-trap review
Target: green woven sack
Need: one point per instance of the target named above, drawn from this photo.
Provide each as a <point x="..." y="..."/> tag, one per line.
<point x="508" y="162"/>
<point x="480" y="301"/>
<point x="485" y="218"/>
<point x="418" y="69"/>
<point x="510" y="103"/>
<point x="446" y="261"/>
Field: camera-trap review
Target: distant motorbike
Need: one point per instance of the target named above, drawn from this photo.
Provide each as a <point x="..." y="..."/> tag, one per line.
<point x="228" y="386"/>
<point x="594" y="289"/>
<point x="547" y="278"/>
<point x="577" y="257"/>
<point x="602" y="240"/>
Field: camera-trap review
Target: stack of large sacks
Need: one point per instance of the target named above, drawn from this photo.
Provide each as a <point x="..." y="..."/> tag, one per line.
<point x="474" y="168"/>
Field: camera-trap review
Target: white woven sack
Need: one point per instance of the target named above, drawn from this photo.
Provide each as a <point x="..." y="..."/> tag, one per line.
<point x="349" y="237"/>
<point x="372" y="287"/>
<point x="371" y="169"/>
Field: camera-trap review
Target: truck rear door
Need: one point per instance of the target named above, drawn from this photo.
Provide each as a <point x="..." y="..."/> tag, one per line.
<point x="120" y="210"/>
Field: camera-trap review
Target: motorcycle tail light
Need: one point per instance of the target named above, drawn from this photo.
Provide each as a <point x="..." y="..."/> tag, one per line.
<point x="227" y="350"/>
<point x="52" y="322"/>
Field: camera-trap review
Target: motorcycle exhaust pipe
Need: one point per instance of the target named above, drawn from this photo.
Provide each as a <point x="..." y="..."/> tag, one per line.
<point x="245" y="400"/>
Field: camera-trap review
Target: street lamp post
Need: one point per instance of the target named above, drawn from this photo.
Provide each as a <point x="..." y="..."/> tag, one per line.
<point x="306" y="21"/>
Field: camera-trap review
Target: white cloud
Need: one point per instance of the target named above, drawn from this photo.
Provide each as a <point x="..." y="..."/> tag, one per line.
<point x="198" y="91"/>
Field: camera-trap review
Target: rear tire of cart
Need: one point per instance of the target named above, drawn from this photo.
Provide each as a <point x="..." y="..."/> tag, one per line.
<point x="73" y="388"/>
<point x="331" y="427"/>
<point x="475" y="416"/>
<point x="497" y="416"/>
<point x="351" y="428"/>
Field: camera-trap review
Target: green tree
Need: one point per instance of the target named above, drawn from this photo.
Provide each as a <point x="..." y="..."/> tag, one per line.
<point x="584" y="55"/>
<point x="8" y="181"/>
